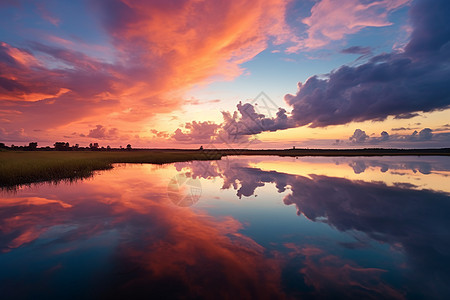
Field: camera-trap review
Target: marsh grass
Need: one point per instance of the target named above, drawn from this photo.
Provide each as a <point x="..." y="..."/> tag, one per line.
<point x="18" y="168"/>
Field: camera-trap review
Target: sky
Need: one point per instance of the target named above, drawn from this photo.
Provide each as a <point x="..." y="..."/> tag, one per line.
<point x="226" y="74"/>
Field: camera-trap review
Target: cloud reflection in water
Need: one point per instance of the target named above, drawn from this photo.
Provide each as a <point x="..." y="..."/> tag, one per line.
<point x="151" y="246"/>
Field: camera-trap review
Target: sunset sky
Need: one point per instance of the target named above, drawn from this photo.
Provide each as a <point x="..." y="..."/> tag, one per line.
<point x="250" y="73"/>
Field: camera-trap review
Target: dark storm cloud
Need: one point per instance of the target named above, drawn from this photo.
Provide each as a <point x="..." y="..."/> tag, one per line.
<point x="394" y="84"/>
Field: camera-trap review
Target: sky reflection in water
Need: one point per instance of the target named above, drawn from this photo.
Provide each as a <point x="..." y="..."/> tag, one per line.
<point x="263" y="227"/>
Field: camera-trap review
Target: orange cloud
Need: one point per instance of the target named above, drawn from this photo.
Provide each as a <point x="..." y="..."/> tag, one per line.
<point x="170" y="47"/>
<point x="160" y="50"/>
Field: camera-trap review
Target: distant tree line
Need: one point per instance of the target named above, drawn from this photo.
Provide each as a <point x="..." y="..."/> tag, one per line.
<point x="62" y="146"/>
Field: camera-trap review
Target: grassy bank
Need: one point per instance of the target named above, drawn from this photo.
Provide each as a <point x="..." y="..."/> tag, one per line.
<point x="18" y="167"/>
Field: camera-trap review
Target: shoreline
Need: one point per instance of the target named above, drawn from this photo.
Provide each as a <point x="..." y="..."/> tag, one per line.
<point x="19" y="168"/>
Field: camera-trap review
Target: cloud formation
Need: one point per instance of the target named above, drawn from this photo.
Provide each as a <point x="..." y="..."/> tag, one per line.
<point x="425" y="135"/>
<point x="101" y="132"/>
<point x="333" y="20"/>
<point x="153" y="59"/>
<point x="201" y="132"/>
<point x="358" y="136"/>
<point x="393" y="84"/>
<point x="237" y="127"/>
<point x="13" y="135"/>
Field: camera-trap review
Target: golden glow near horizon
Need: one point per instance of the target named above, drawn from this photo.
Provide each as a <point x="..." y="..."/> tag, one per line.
<point x="343" y="167"/>
<point x="372" y="128"/>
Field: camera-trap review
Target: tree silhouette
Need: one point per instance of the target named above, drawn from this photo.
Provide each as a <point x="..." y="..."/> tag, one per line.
<point x="61" y="146"/>
<point x="32" y="145"/>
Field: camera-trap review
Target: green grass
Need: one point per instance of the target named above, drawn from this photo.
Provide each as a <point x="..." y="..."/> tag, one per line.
<point x="17" y="168"/>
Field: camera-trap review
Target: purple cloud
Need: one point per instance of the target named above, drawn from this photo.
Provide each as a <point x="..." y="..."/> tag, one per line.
<point x="359" y="136"/>
<point x="101" y="132"/>
<point x="237" y="127"/>
<point x="426" y="134"/>
<point x="394" y="84"/>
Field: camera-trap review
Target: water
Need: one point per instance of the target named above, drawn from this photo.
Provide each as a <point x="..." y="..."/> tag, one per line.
<point x="242" y="227"/>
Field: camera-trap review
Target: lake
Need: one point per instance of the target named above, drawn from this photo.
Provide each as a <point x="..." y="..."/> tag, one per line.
<point x="242" y="227"/>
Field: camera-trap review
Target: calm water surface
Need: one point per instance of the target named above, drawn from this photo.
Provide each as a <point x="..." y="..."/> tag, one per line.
<point x="241" y="228"/>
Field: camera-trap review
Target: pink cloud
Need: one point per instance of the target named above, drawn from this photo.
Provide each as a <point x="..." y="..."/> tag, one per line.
<point x="17" y="135"/>
<point x="47" y="15"/>
<point x="333" y="20"/>
<point x="197" y="132"/>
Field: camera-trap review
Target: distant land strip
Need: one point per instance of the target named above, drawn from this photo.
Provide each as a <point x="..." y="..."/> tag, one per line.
<point x="340" y="152"/>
